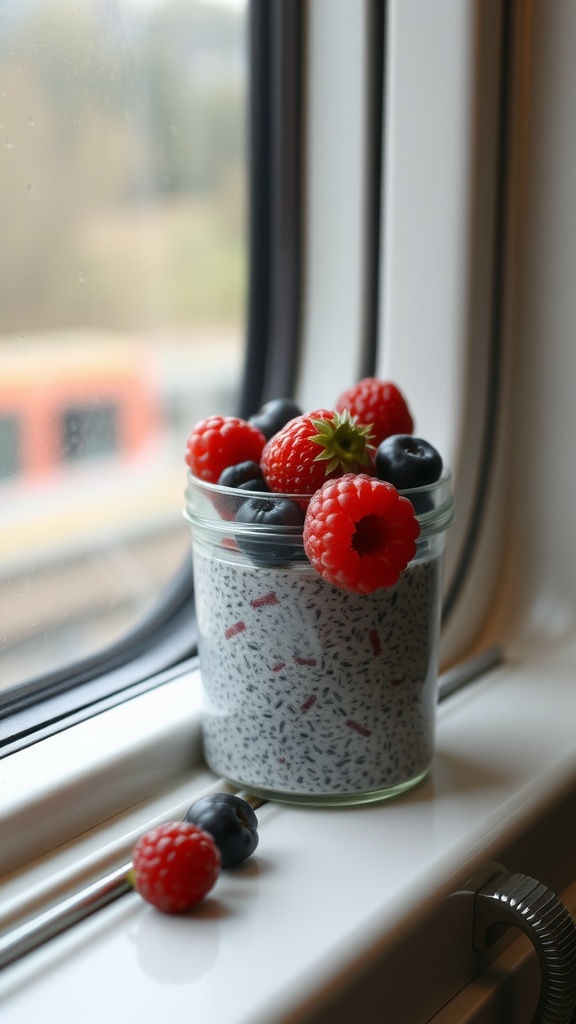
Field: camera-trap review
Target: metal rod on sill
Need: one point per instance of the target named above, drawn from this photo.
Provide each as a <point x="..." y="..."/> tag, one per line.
<point x="52" y="922"/>
<point x="454" y="679"/>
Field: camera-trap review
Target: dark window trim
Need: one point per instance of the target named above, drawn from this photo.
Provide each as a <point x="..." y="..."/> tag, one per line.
<point x="376" y="56"/>
<point x="495" y="353"/>
<point x="275" y="200"/>
<point x="168" y="637"/>
<point x="164" y="639"/>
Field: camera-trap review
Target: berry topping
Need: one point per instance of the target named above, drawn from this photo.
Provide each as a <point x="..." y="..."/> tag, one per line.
<point x="175" y="865"/>
<point x="275" y="546"/>
<point x="230" y="821"/>
<point x="312" y="449"/>
<point x="359" y="533"/>
<point x="244" y="475"/>
<point x="221" y="441"/>
<point x="258" y="484"/>
<point x="274" y="415"/>
<point x="380" y="404"/>
<point x="407" y="461"/>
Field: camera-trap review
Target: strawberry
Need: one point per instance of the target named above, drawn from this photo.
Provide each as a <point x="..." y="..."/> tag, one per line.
<point x="380" y="404"/>
<point x="360" y="533"/>
<point x="314" y="448"/>
<point x="221" y="441"/>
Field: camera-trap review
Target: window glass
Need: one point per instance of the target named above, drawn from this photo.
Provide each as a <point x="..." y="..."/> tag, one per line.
<point x="9" y="445"/>
<point x="88" y="431"/>
<point x="122" y="298"/>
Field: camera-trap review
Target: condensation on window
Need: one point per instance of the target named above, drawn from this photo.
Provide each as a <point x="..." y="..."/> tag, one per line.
<point x="122" y="302"/>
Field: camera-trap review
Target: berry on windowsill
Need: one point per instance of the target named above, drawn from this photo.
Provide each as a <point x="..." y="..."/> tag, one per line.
<point x="230" y="821"/>
<point x="175" y="865"/>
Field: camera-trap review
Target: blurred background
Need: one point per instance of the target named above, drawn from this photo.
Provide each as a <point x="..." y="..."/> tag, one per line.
<point x="123" y="264"/>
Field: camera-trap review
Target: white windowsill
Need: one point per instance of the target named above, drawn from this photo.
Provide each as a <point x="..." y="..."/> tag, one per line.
<point x="326" y="887"/>
<point x="56" y="789"/>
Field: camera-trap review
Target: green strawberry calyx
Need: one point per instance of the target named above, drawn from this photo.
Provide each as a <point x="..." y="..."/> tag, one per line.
<point x="345" y="444"/>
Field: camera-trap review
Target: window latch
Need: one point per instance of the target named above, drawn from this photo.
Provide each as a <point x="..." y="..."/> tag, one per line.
<point x="504" y="899"/>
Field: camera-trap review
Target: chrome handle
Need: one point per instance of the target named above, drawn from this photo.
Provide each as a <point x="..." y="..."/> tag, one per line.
<point x="504" y="899"/>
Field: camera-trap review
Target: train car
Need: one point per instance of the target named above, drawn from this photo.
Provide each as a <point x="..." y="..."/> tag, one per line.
<point x="93" y="429"/>
<point x="93" y="423"/>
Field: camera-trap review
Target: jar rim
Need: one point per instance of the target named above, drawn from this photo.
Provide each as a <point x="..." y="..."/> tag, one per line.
<point x="205" y="514"/>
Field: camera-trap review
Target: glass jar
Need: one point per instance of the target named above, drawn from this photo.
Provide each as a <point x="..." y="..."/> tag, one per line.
<point x="313" y="694"/>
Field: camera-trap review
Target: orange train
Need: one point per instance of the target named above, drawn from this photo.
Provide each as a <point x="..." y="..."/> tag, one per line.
<point x="92" y="436"/>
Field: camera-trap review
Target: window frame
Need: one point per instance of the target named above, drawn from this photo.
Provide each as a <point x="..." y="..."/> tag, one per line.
<point x="167" y="638"/>
<point x="446" y="207"/>
<point x="287" y="99"/>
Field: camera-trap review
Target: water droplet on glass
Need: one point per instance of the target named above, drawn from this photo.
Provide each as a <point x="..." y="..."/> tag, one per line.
<point x="30" y="190"/>
<point x="31" y="121"/>
<point x="8" y="143"/>
<point x="81" y="275"/>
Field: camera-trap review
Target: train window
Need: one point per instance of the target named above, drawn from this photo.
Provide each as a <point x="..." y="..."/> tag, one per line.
<point x="9" y="446"/>
<point x="89" y="431"/>
<point x="122" y="304"/>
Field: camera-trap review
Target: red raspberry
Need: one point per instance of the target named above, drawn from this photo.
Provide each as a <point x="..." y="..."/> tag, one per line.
<point x="221" y="441"/>
<point x="379" y="404"/>
<point x="175" y="865"/>
<point x="314" y="448"/>
<point x="360" y="533"/>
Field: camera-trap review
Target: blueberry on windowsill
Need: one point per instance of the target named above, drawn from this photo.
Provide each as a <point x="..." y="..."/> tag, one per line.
<point x="270" y="512"/>
<point x="230" y="821"/>
<point x="274" y="415"/>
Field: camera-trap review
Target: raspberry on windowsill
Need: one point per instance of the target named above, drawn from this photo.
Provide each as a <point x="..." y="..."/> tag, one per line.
<point x="174" y="866"/>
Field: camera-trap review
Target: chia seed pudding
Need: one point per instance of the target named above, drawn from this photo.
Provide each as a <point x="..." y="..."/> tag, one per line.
<point x="311" y="693"/>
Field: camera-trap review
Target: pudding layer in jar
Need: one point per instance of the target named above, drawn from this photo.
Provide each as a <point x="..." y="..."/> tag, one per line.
<point x="312" y="693"/>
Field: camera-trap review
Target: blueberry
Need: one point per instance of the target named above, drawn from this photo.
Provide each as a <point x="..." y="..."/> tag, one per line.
<point x="272" y="512"/>
<point x="230" y="821"/>
<point x="241" y="474"/>
<point x="274" y="415"/>
<point x="407" y="461"/>
<point x="254" y="485"/>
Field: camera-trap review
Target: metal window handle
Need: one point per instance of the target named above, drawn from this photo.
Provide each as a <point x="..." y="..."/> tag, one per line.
<point x="506" y="899"/>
